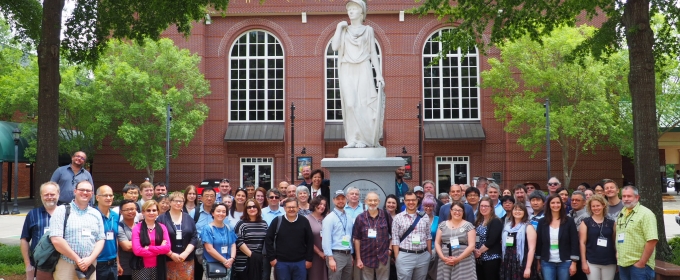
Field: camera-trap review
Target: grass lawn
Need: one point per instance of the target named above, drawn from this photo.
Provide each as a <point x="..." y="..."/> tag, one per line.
<point x="12" y="262"/>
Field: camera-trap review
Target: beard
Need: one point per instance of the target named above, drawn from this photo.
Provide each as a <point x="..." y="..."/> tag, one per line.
<point x="372" y="208"/>
<point x="49" y="204"/>
<point x="629" y="205"/>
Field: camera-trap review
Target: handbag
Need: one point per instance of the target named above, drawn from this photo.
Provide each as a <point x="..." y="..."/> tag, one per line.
<point x="215" y="270"/>
<point x="45" y="255"/>
<point x="136" y="262"/>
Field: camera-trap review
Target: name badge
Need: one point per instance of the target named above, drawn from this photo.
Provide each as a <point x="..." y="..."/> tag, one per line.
<point x="321" y="233"/>
<point x="620" y="237"/>
<point x="554" y="244"/>
<point x="477" y="239"/>
<point x="225" y="249"/>
<point x="109" y="235"/>
<point x="345" y="240"/>
<point x="178" y="235"/>
<point x="509" y="241"/>
<point x="454" y="243"/>
<point x="602" y="242"/>
<point x="46" y="230"/>
<point x="86" y="232"/>
<point x="415" y="239"/>
<point x="372" y="233"/>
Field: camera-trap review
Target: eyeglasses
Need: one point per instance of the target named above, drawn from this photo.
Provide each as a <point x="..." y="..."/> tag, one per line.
<point x="106" y="195"/>
<point x="209" y="196"/>
<point x="224" y="181"/>
<point x="80" y="157"/>
<point x="177" y="201"/>
<point x="84" y="190"/>
<point x="457" y="210"/>
<point x="151" y="210"/>
<point x="484" y="206"/>
<point x="251" y="207"/>
<point x="128" y="210"/>
<point x="273" y="197"/>
<point x="553" y="184"/>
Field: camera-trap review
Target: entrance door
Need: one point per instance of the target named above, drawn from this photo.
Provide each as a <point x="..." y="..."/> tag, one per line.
<point x="452" y="170"/>
<point x="257" y="170"/>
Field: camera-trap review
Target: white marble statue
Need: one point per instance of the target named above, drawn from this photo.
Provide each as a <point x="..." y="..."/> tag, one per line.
<point x="363" y="108"/>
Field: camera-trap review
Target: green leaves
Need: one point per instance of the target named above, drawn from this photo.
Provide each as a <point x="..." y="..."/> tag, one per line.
<point x="133" y="84"/>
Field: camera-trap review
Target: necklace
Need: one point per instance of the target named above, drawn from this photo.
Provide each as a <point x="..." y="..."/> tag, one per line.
<point x="151" y="228"/>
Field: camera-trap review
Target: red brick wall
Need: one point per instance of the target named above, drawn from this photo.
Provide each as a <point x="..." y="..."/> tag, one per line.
<point x="209" y="156"/>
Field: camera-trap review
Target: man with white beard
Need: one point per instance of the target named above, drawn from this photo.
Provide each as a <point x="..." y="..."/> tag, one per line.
<point x="36" y="224"/>
<point x="371" y="233"/>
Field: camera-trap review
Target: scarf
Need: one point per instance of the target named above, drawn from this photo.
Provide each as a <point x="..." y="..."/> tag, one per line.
<point x="520" y="238"/>
<point x="145" y="240"/>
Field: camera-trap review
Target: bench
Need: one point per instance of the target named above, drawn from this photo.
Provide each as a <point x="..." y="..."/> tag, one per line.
<point x="666" y="271"/>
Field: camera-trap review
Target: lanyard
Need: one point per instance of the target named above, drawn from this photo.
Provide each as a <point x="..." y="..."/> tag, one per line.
<point x="344" y="224"/>
<point x="368" y="220"/>
<point x="399" y="185"/>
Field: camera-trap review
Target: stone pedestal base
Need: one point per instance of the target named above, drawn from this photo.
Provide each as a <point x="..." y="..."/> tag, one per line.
<point x="374" y="153"/>
<point x="366" y="174"/>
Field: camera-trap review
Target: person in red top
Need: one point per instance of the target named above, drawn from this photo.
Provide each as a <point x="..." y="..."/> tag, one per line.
<point x="371" y="235"/>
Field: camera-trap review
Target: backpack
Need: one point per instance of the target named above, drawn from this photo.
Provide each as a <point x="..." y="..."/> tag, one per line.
<point x="45" y="255"/>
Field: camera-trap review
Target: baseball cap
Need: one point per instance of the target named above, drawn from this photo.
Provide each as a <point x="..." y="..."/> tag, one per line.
<point x="338" y="193"/>
<point x="418" y="189"/>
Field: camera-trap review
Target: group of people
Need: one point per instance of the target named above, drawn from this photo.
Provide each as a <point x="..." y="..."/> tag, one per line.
<point x="306" y="232"/>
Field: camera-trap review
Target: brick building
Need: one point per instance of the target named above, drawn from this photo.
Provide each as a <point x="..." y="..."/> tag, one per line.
<point x="261" y="58"/>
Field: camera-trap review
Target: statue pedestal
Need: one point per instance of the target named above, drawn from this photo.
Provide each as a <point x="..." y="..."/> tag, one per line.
<point x="366" y="174"/>
<point x="373" y="153"/>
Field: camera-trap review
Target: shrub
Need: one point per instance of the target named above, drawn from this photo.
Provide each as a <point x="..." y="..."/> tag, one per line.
<point x="674" y="243"/>
<point x="12" y="262"/>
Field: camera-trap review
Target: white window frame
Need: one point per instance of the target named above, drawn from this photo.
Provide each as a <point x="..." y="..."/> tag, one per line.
<point x="451" y="160"/>
<point x="257" y="161"/>
<point x="335" y="71"/>
<point x="247" y="58"/>
<point x="441" y="80"/>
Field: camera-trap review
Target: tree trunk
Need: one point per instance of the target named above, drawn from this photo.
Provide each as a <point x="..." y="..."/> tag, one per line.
<point x="48" y="93"/>
<point x="641" y="81"/>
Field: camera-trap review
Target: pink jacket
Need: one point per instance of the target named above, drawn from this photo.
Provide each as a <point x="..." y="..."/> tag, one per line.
<point x="149" y="255"/>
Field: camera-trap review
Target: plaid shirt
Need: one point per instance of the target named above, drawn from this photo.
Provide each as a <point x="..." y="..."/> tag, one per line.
<point x="83" y="229"/>
<point x="402" y="222"/>
<point x="35" y="224"/>
<point x="373" y="249"/>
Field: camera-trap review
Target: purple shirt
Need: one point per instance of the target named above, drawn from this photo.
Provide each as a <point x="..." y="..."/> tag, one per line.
<point x="373" y="249"/>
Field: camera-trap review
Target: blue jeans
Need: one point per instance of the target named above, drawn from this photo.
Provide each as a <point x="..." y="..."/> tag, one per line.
<point x="555" y="271"/>
<point x="632" y="272"/>
<point x="107" y="272"/>
<point x="291" y="270"/>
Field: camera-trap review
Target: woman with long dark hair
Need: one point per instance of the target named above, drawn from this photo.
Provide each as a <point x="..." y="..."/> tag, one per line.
<point x="150" y="241"/>
<point x="488" y="246"/>
<point x="191" y="202"/>
<point x="557" y="244"/>
<point x="518" y="242"/>
<point x="250" y="230"/>
<point x="238" y="207"/>
<point x="319" y="207"/>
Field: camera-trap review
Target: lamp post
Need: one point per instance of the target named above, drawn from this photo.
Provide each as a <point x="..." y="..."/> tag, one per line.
<point x="167" y="146"/>
<point x="16" y="134"/>
<point x="547" y="134"/>
<point x="420" y="143"/>
<point x="292" y="142"/>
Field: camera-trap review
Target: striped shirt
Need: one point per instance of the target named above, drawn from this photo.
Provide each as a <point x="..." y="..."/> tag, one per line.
<point x="252" y="234"/>
<point x="37" y="221"/>
<point x="83" y="229"/>
<point x="402" y="222"/>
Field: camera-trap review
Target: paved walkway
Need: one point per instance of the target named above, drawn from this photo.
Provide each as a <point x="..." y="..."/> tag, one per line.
<point x="11" y="225"/>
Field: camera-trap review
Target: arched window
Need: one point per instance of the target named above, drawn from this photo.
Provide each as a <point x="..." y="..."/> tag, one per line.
<point x="256" y="78"/>
<point x="450" y="88"/>
<point x="333" y="106"/>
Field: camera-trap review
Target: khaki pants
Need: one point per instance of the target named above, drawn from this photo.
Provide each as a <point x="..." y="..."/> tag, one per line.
<point x="67" y="271"/>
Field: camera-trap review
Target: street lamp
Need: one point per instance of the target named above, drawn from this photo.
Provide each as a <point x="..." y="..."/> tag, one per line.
<point x="16" y="134"/>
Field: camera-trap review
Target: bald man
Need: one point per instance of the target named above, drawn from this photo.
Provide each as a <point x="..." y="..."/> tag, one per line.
<point x="107" y="264"/>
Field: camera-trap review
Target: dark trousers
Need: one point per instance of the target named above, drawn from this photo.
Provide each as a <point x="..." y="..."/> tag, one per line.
<point x="266" y="268"/>
<point x="579" y="273"/>
<point x="198" y="270"/>
<point x="489" y="270"/>
<point x="107" y="271"/>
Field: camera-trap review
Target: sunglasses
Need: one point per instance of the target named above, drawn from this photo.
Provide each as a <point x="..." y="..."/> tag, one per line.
<point x="273" y="197"/>
<point x="553" y="184"/>
<point x="251" y="207"/>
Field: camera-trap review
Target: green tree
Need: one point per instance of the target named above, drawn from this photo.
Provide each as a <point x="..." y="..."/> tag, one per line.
<point x="582" y="100"/>
<point x="626" y="24"/>
<point x="88" y="29"/>
<point x="144" y="79"/>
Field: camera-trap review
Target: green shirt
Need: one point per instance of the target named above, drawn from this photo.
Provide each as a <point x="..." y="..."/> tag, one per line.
<point x="637" y="228"/>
